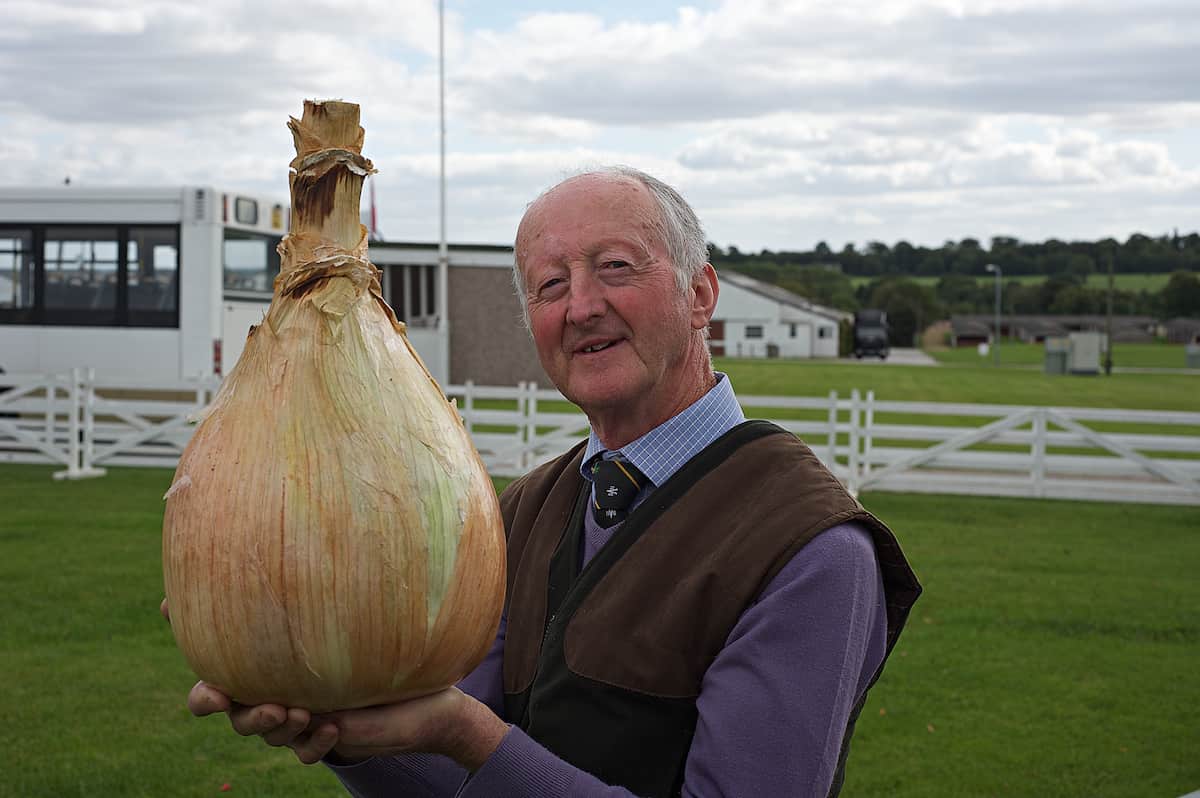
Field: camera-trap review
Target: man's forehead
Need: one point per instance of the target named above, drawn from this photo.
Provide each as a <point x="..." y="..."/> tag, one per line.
<point x="599" y="190"/>
<point x="601" y="199"/>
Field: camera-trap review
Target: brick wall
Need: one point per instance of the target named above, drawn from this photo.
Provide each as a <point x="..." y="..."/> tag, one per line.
<point x="488" y="340"/>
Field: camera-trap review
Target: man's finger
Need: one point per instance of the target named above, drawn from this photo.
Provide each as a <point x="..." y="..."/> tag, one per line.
<point x="292" y="727"/>
<point x="313" y="747"/>
<point x="261" y="719"/>
<point x="165" y="610"/>
<point x="204" y="700"/>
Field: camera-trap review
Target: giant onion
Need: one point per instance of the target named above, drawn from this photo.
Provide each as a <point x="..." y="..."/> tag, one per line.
<point x="331" y="539"/>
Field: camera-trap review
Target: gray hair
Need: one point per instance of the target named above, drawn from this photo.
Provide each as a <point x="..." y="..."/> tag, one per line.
<point x="682" y="233"/>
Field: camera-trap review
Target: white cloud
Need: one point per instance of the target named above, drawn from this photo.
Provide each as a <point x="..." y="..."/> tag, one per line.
<point x="784" y="122"/>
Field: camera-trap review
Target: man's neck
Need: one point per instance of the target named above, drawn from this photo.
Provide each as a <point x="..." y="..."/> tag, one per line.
<point x="619" y="428"/>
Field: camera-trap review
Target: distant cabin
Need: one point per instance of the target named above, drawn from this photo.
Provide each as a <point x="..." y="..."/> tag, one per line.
<point x="758" y="319"/>
<point x="974" y="329"/>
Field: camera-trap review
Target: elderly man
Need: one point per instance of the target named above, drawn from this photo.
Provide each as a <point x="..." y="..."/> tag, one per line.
<point x="695" y="606"/>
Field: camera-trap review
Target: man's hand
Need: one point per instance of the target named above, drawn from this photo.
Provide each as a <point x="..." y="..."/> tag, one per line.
<point x="277" y="725"/>
<point x="448" y="722"/>
<point x="295" y="728"/>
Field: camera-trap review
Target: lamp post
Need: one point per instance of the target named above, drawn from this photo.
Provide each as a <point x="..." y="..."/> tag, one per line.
<point x="994" y="269"/>
<point x="1108" y="363"/>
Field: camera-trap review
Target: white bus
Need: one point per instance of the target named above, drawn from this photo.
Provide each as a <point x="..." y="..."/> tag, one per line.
<point x="154" y="284"/>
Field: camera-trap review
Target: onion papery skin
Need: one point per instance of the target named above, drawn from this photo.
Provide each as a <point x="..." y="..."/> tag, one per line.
<point x="331" y="539"/>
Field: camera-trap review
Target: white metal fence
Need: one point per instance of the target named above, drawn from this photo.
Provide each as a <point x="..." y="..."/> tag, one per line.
<point x="85" y="424"/>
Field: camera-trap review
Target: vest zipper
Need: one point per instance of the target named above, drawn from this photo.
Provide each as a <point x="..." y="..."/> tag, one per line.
<point x="537" y="670"/>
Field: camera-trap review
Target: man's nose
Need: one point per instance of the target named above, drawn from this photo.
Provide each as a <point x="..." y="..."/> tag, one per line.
<point x="586" y="300"/>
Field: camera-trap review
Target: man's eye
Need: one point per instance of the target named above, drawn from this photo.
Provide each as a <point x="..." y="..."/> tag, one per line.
<point x="549" y="284"/>
<point x="615" y="264"/>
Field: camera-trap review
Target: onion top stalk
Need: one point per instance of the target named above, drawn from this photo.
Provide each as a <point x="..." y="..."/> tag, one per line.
<point x="331" y="539"/>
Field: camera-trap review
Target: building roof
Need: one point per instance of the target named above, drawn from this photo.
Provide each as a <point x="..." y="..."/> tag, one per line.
<point x="409" y="253"/>
<point x="781" y="295"/>
<point x="967" y="327"/>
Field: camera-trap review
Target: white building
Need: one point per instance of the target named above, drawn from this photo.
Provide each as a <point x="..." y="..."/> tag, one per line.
<point x="757" y="319"/>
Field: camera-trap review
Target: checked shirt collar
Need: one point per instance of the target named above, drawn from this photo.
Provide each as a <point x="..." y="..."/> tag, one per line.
<point x="663" y="450"/>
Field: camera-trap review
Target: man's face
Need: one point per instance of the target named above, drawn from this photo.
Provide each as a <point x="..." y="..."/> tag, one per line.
<point x="610" y="325"/>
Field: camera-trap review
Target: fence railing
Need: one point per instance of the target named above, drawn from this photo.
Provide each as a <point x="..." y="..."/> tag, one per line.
<point x="85" y="424"/>
<point x="39" y="419"/>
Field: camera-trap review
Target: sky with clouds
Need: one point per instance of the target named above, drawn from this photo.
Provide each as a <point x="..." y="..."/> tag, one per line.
<point x="784" y="123"/>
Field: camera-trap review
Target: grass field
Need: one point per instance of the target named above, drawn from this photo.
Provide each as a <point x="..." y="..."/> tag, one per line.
<point x="1153" y="283"/>
<point x="964" y="382"/>
<point x="967" y="383"/>
<point x="1053" y="654"/>
<point x="979" y="383"/>
<point x="1016" y="353"/>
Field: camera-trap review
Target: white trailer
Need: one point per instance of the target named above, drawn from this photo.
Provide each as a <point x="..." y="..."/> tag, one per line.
<point x="156" y="284"/>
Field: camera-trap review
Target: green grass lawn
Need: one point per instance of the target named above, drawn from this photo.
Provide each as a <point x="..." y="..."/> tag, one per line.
<point x="1053" y="654"/>
<point x="94" y="688"/>
<point x="1016" y="353"/>
<point x="965" y="382"/>
<point x="973" y="384"/>
<point x="970" y="381"/>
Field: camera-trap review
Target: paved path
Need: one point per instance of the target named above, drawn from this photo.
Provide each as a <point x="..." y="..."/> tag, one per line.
<point x="899" y="357"/>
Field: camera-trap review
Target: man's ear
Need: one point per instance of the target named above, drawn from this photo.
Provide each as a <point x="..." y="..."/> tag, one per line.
<point x="704" y="296"/>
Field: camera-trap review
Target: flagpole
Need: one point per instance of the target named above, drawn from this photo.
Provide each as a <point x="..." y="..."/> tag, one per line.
<point x="443" y="273"/>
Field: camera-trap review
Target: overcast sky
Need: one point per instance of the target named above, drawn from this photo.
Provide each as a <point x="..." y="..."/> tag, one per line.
<point x="784" y="123"/>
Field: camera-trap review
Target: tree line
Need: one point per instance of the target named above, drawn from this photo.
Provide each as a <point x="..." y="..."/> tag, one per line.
<point x="1140" y="254"/>
<point x="824" y="277"/>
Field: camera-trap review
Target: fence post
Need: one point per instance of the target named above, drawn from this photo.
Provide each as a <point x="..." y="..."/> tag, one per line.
<point x="73" y="404"/>
<point x="833" y="414"/>
<point x="89" y="422"/>
<point x="468" y="408"/>
<point x="530" y="425"/>
<point x="1039" y="453"/>
<point x="852" y="460"/>
<point x="80" y="431"/>
<point x="51" y="420"/>
<point x="868" y="425"/>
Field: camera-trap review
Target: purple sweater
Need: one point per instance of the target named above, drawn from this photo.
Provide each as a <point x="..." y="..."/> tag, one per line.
<point x="772" y="708"/>
<point x="773" y="705"/>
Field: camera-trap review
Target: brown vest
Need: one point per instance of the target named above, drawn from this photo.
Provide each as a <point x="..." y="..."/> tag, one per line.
<point x="690" y="559"/>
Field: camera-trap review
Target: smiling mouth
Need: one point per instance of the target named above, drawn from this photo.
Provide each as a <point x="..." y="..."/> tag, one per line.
<point x="587" y="350"/>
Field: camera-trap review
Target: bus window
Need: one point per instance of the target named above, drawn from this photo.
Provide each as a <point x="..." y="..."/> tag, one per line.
<point x="245" y="211"/>
<point x="250" y="261"/>
<point x="152" y="269"/>
<point x="16" y="269"/>
<point x="81" y="272"/>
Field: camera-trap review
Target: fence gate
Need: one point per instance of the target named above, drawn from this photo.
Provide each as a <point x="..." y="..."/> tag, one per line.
<point x="42" y="420"/>
<point x="1036" y="452"/>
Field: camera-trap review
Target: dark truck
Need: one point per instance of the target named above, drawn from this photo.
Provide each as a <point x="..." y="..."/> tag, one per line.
<point x="871" y="333"/>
